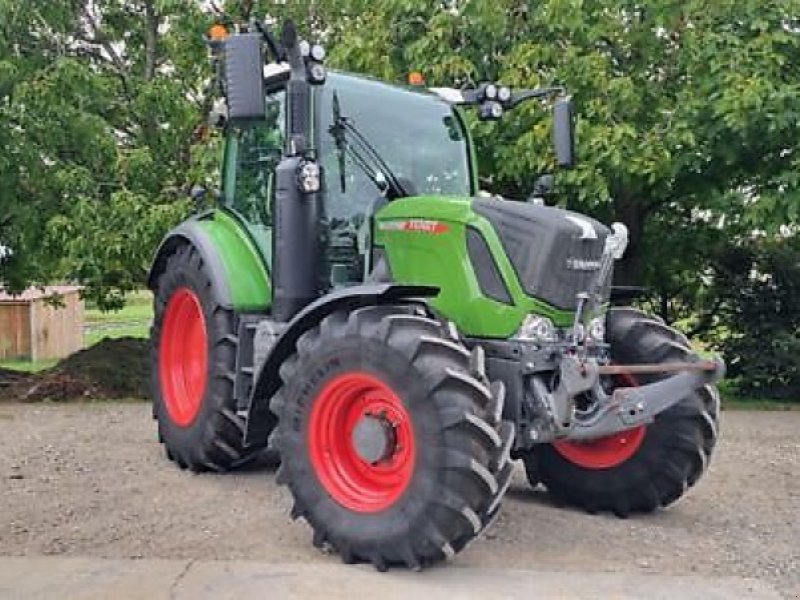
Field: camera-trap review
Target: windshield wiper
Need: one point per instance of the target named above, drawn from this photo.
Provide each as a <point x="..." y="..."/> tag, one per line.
<point x="337" y="131"/>
<point x="351" y="141"/>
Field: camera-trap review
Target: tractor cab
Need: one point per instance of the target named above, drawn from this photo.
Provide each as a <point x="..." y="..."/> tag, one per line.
<point x="419" y="139"/>
<point x="347" y="146"/>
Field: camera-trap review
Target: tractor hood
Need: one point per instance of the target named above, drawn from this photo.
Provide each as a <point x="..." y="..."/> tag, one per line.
<point x="555" y="253"/>
<point x="495" y="261"/>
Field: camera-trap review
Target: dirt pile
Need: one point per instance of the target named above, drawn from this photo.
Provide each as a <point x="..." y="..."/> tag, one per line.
<point x="111" y="369"/>
<point x="11" y="382"/>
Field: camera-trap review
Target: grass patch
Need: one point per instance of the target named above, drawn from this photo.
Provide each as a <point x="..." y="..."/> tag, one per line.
<point x="28" y="366"/>
<point x="138" y="307"/>
<point x="133" y="320"/>
<point x="137" y="330"/>
<point x="734" y="403"/>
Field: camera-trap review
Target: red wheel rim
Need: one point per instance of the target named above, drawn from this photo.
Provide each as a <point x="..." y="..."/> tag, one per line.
<point x="183" y="357"/>
<point x="605" y="452"/>
<point x="356" y="484"/>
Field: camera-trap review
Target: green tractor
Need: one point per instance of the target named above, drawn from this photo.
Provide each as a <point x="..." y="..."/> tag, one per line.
<point x="355" y="304"/>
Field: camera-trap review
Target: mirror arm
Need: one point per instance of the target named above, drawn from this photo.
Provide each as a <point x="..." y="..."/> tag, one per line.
<point x="471" y="97"/>
<point x="525" y="95"/>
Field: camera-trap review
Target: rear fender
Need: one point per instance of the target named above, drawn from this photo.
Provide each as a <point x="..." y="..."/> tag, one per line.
<point x="238" y="272"/>
<point x="260" y="419"/>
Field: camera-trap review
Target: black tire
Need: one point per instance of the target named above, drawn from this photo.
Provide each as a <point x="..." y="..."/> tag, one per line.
<point x="676" y="447"/>
<point x="213" y="440"/>
<point x="462" y="466"/>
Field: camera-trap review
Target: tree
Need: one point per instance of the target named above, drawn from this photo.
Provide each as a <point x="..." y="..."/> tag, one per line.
<point x="98" y="104"/>
<point x="688" y="118"/>
<point x="687" y="111"/>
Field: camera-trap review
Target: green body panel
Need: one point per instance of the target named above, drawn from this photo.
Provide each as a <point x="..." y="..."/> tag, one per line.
<point x="429" y="254"/>
<point x="245" y="269"/>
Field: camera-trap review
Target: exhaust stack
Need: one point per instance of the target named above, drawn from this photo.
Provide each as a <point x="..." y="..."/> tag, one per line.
<point x="299" y="256"/>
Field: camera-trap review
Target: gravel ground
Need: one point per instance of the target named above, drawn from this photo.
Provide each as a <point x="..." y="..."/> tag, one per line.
<point x="90" y="480"/>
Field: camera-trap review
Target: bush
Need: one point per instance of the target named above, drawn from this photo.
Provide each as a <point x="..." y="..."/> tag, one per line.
<point x="760" y="317"/>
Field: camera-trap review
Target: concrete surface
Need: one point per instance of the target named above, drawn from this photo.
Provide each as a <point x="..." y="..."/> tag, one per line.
<point x="35" y="578"/>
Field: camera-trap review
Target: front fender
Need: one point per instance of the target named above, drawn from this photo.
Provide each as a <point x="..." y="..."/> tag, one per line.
<point x="260" y="419"/>
<point x="238" y="272"/>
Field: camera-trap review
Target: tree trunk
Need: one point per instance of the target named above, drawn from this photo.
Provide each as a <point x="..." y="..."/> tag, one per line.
<point x="150" y="124"/>
<point x="150" y="37"/>
<point x="630" y="211"/>
<point x="663" y="308"/>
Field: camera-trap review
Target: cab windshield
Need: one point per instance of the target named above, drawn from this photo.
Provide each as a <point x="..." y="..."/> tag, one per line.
<point x="418" y="136"/>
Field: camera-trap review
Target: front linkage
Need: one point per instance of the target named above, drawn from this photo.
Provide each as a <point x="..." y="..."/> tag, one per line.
<point x="624" y="408"/>
<point x="561" y="369"/>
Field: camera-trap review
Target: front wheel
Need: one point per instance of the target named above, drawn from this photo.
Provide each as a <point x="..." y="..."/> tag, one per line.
<point x="390" y="437"/>
<point x="640" y="469"/>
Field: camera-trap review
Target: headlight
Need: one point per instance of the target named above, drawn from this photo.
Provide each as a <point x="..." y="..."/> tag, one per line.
<point x="537" y="329"/>
<point x="597" y="329"/>
<point x="308" y="177"/>
<point x="316" y="73"/>
<point x="491" y="110"/>
<point x="317" y="53"/>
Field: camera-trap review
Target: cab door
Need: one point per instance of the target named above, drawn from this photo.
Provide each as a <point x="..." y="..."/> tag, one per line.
<point x="252" y="152"/>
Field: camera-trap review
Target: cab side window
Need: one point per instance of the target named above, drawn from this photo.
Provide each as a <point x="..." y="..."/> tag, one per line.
<point x="259" y="149"/>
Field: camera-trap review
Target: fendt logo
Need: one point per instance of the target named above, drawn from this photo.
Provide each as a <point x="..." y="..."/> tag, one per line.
<point x="580" y="264"/>
<point x="418" y="225"/>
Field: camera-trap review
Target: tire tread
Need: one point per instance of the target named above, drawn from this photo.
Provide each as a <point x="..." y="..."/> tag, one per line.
<point x="476" y="443"/>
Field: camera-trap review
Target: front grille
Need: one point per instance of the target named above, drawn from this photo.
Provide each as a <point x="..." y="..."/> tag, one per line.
<point x="545" y="247"/>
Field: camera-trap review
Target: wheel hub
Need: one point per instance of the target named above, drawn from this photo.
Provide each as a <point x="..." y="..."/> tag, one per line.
<point x="361" y="442"/>
<point x="374" y="439"/>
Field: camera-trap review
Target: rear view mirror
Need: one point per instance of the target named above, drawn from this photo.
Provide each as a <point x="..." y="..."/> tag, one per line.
<point x="564" y="132"/>
<point x="244" y="77"/>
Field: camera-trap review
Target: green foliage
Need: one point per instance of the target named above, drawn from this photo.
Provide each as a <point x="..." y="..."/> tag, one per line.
<point x="680" y="103"/>
<point x="688" y="123"/>
<point x="758" y="320"/>
<point x="101" y="242"/>
<point x="98" y="105"/>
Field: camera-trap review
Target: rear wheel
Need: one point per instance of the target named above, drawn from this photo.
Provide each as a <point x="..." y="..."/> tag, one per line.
<point x="643" y="468"/>
<point x="390" y="437"/>
<point x="193" y="361"/>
